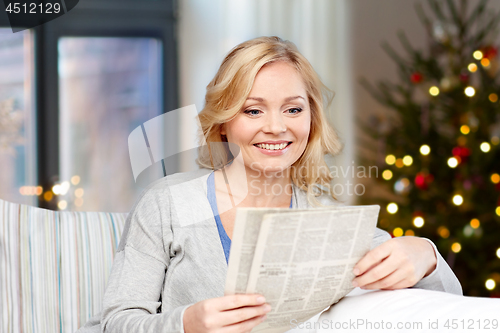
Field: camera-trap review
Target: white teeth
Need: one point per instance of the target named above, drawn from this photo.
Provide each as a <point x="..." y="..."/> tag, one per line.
<point x="272" y="147"/>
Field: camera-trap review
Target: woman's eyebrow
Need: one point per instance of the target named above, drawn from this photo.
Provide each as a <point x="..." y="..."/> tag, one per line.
<point x="288" y="99"/>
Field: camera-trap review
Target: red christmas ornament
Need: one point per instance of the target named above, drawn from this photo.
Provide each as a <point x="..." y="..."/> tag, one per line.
<point x="423" y="180"/>
<point x="464" y="77"/>
<point x="416" y="77"/>
<point x="464" y="151"/>
<point x="489" y="52"/>
<point x="460" y="153"/>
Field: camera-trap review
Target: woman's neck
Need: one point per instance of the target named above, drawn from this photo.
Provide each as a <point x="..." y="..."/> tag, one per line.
<point x="245" y="187"/>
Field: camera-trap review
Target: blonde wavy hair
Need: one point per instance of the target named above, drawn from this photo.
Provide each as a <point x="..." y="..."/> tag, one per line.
<point x="228" y="91"/>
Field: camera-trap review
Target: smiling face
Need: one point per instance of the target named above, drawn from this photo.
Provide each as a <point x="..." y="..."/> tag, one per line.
<point x="272" y="129"/>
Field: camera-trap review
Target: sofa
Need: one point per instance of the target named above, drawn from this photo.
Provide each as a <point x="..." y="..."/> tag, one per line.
<point x="53" y="266"/>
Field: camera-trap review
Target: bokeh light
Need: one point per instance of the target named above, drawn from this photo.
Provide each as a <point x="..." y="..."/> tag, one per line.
<point x="387" y="174"/>
<point x="458" y="199"/>
<point x="456" y="247"/>
<point x="443" y="232"/>
<point x="390" y="159"/>
<point x="397" y="232"/>
<point x="434" y="91"/>
<point x="470" y="91"/>
<point x="392" y="208"/>
<point x="407" y="160"/>
<point x="472" y="67"/>
<point x="465" y="129"/>
<point x="418" y="222"/>
<point x="452" y="162"/>
<point x="474" y="223"/>
<point x="490" y="284"/>
<point x="485" y="147"/>
<point x="425" y="150"/>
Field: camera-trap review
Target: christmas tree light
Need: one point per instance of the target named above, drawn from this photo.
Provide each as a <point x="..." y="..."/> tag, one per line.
<point x="446" y="97"/>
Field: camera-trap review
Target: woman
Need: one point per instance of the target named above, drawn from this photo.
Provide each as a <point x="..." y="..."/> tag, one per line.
<point x="266" y="104"/>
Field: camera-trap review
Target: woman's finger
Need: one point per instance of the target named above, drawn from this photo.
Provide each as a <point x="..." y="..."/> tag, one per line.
<point x="391" y="281"/>
<point x="236" y="301"/>
<point x="234" y="316"/>
<point x="245" y="326"/>
<point x="377" y="272"/>
<point x="372" y="258"/>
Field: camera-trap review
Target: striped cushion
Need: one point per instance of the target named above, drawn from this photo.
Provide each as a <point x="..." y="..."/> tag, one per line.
<point x="53" y="266"/>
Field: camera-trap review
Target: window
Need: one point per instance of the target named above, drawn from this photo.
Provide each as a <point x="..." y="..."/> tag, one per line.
<point x="90" y="77"/>
<point x="17" y="126"/>
<point x="107" y="88"/>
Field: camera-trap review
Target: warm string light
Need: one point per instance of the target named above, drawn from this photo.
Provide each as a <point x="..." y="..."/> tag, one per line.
<point x="63" y="189"/>
<point x="472" y="67"/>
<point x="407" y="160"/>
<point x="392" y="208"/>
<point x="474" y="223"/>
<point x="456" y="247"/>
<point x="485" y="62"/>
<point x="452" y="162"/>
<point x="390" y="159"/>
<point x="458" y="199"/>
<point x="485" y="147"/>
<point x="387" y="174"/>
<point x="418" y="222"/>
<point x="469" y="91"/>
<point x="62" y="204"/>
<point x="495" y="140"/>
<point x="434" y="91"/>
<point x="498" y="253"/>
<point x="397" y="232"/>
<point x="464" y="129"/>
<point x="443" y="232"/>
<point x="75" y="180"/>
<point x="478" y="55"/>
<point x="490" y="284"/>
<point x="493" y="98"/>
<point x="31" y="190"/>
<point x="495" y="178"/>
<point x="47" y="196"/>
<point x="425" y="150"/>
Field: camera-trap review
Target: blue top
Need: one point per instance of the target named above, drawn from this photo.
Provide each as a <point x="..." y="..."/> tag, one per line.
<point x="224" y="238"/>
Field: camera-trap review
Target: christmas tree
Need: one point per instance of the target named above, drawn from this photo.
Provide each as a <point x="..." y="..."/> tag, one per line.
<point x="438" y="153"/>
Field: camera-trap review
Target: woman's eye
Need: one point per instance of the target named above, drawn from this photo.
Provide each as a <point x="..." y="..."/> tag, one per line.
<point x="294" y="110"/>
<point x="252" y="112"/>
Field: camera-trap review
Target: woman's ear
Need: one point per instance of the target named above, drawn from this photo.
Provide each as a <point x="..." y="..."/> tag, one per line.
<point x="222" y="130"/>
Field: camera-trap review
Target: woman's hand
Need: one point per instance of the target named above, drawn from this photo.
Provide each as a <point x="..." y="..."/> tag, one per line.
<point x="233" y="313"/>
<point x="396" y="264"/>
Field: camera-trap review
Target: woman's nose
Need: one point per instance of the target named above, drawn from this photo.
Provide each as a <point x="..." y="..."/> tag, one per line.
<point x="275" y="123"/>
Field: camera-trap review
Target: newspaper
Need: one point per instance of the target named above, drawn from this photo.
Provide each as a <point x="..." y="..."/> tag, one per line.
<point x="301" y="260"/>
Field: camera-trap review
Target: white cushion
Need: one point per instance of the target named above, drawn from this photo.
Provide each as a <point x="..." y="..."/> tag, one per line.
<point x="411" y="310"/>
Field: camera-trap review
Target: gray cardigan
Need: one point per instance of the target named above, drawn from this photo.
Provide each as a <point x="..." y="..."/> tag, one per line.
<point x="170" y="257"/>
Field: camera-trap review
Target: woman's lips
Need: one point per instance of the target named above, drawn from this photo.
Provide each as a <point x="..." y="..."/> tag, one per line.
<point x="276" y="152"/>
